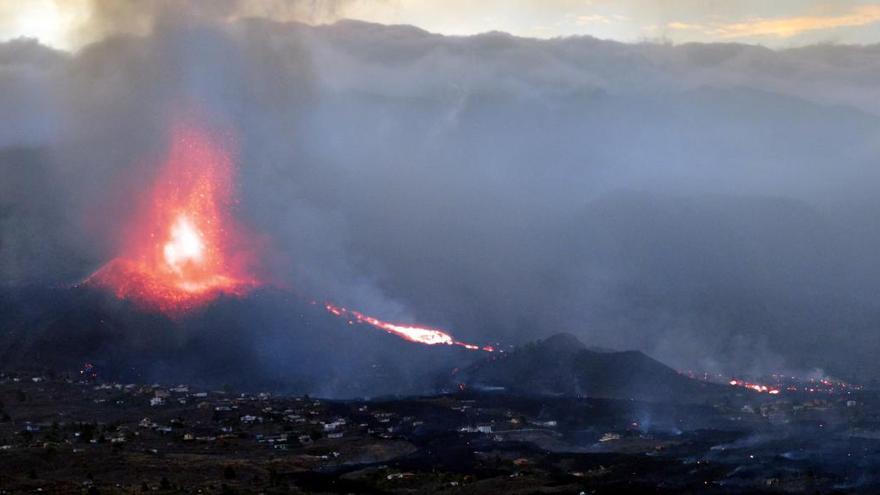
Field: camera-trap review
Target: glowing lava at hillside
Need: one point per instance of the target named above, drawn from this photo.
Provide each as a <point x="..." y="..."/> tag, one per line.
<point x="422" y="335"/>
<point x="184" y="249"/>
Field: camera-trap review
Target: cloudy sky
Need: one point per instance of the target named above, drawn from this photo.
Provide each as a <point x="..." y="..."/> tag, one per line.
<point x="780" y="23"/>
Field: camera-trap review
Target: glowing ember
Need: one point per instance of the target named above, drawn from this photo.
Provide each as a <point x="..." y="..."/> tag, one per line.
<point x="183" y="250"/>
<point x="421" y="335"/>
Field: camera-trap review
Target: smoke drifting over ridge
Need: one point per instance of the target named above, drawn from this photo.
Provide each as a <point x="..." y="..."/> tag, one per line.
<point x="712" y="205"/>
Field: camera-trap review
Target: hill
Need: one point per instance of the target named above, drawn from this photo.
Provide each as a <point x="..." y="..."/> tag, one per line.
<point x="562" y="365"/>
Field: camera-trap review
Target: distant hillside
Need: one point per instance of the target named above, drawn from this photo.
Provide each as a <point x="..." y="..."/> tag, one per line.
<point x="269" y="340"/>
<point x="562" y="365"/>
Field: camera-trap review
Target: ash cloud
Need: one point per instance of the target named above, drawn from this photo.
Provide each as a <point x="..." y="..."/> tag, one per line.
<point x="710" y="204"/>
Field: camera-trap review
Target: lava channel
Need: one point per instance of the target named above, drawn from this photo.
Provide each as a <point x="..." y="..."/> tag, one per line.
<point x="421" y="335"/>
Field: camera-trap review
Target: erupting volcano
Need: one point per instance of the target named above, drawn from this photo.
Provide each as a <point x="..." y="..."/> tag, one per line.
<point x="185" y="248"/>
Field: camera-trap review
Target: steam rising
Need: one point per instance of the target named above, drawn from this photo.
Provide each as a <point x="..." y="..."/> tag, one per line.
<point x="713" y="205"/>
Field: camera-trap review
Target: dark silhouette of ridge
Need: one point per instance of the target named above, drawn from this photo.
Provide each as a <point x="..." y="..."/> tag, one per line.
<point x="562" y="365"/>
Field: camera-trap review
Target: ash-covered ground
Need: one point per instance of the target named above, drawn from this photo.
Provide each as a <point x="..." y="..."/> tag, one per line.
<point x="74" y="432"/>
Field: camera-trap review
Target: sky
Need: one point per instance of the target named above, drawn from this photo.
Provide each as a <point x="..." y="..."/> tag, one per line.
<point x="64" y="24"/>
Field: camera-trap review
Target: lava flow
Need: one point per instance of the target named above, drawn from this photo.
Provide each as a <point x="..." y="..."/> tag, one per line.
<point x="185" y="249"/>
<point x="421" y="335"/>
<point x="757" y="387"/>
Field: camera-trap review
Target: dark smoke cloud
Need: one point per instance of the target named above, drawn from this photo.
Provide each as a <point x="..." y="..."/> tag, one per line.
<point x="709" y="204"/>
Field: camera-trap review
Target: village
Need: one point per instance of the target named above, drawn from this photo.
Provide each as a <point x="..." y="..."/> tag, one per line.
<point x="135" y="438"/>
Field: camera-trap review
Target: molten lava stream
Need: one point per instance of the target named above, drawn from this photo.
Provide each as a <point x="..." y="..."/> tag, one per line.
<point x="421" y="335"/>
<point x="179" y="254"/>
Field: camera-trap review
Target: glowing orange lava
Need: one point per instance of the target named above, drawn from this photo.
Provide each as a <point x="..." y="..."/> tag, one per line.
<point x="754" y="386"/>
<point x="421" y="335"/>
<point x="185" y="248"/>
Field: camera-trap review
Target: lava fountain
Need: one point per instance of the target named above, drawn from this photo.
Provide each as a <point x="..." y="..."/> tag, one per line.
<point x="184" y="249"/>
